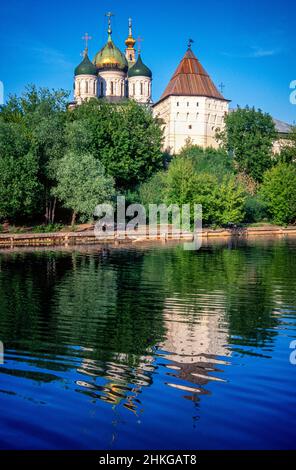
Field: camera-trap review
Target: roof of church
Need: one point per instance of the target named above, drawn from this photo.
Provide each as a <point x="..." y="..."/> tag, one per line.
<point x="191" y="79"/>
<point x="86" y="67"/>
<point x="139" y="69"/>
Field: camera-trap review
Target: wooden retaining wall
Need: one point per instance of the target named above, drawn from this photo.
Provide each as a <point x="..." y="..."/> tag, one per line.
<point x="89" y="238"/>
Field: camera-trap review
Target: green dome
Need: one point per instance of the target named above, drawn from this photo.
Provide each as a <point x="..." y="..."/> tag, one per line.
<point x="139" y="70"/>
<point x="110" y="57"/>
<point x="86" y="67"/>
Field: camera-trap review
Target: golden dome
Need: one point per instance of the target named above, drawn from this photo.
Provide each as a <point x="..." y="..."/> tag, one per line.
<point x="110" y="57"/>
<point x="130" y="42"/>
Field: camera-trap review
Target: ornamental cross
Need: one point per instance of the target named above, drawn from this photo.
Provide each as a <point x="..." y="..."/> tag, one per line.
<point x="222" y="86"/>
<point x="86" y="38"/>
<point x="109" y="16"/>
<point x="139" y="41"/>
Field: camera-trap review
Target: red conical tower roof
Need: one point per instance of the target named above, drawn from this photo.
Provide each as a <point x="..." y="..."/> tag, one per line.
<point x="191" y="79"/>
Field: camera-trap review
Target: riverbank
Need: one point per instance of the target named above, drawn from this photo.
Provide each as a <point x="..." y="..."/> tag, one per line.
<point x="88" y="237"/>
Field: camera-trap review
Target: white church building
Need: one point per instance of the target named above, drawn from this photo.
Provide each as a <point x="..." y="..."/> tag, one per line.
<point x="191" y="109"/>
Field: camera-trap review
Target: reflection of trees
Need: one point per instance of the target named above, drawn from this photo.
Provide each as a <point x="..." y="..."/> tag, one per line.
<point x="111" y="309"/>
<point x="244" y="282"/>
<point x="27" y="282"/>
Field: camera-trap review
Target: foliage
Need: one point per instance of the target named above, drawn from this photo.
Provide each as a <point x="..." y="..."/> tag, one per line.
<point x="288" y="150"/>
<point x="126" y="139"/>
<point x="222" y="199"/>
<point x="50" y="228"/>
<point x="82" y="184"/>
<point x="19" y="186"/>
<point x="279" y="191"/>
<point x="256" y="209"/>
<point x="209" y="160"/>
<point x="39" y="117"/>
<point x="153" y="190"/>
<point x="249" y="137"/>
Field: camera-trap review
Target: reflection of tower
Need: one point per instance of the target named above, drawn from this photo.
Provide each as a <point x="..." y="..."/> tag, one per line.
<point x="130" y="51"/>
<point x="124" y="381"/>
<point x="193" y="342"/>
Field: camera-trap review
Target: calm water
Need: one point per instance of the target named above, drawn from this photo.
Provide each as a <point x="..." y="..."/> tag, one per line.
<point x="153" y="348"/>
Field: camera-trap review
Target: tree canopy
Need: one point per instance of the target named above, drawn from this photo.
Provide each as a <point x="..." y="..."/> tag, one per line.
<point x="248" y="136"/>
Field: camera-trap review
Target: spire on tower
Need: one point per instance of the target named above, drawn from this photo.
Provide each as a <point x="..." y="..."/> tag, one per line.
<point x="130" y="44"/>
<point x="130" y="27"/>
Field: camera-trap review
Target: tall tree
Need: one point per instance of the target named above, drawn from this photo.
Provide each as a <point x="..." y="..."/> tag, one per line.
<point x="248" y="136"/>
<point x="125" y="138"/>
<point x="20" y="191"/>
<point x="82" y="184"/>
<point x="41" y="115"/>
<point x="279" y="191"/>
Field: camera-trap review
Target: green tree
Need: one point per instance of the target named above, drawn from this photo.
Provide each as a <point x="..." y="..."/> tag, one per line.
<point x="288" y="149"/>
<point x="279" y="192"/>
<point x="125" y="138"/>
<point x="222" y="199"/>
<point x="82" y="184"/>
<point x="209" y="160"/>
<point x="249" y="137"/>
<point x="19" y="187"/>
<point x="40" y="116"/>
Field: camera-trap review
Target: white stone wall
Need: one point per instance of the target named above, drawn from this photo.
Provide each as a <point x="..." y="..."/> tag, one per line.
<point x="86" y="87"/>
<point x="190" y="117"/>
<point x="112" y="84"/>
<point x="140" y="89"/>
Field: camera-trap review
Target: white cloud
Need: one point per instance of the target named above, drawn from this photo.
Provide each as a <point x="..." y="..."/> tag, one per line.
<point x="254" y="53"/>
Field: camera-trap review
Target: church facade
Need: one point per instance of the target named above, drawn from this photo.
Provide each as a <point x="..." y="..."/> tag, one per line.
<point x="191" y="109"/>
<point x="113" y="75"/>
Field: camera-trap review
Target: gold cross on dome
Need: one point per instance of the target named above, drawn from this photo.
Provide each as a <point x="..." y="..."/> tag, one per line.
<point x="109" y="16"/>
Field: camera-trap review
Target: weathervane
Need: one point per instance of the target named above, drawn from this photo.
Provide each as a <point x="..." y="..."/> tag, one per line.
<point x="190" y="42"/>
<point x="139" y="40"/>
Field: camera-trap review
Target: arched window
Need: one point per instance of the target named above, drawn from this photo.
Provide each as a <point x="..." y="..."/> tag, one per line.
<point x="94" y="87"/>
<point x="142" y="90"/>
<point x="102" y="89"/>
<point x="86" y="87"/>
<point x="112" y="88"/>
<point x="134" y="89"/>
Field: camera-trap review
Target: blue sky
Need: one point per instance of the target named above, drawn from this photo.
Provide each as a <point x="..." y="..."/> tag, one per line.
<point x="248" y="46"/>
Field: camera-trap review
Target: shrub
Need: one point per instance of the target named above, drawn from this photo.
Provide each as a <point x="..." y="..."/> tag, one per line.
<point x="279" y="192"/>
<point x="255" y="209"/>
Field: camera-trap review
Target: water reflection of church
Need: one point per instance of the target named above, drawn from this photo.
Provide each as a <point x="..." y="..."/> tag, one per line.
<point x="193" y="353"/>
